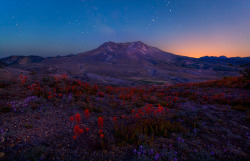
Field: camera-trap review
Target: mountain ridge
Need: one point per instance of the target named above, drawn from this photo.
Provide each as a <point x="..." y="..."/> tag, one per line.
<point x="107" y="45"/>
<point x="130" y="61"/>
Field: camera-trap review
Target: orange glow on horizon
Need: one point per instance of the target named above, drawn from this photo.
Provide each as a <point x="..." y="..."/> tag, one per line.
<point x="197" y="52"/>
<point x="214" y="44"/>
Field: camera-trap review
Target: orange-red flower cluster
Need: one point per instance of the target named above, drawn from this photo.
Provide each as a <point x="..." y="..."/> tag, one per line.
<point x="100" y="94"/>
<point x="23" y="79"/>
<point x="77" y="130"/>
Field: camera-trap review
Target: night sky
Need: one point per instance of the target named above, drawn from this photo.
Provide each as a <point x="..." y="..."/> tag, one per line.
<point x="185" y="27"/>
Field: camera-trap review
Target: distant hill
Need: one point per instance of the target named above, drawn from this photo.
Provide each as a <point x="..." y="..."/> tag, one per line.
<point x="2" y="64"/>
<point x="13" y="60"/>
<point x="131" y="62"/>
<point x="230" y="61"/>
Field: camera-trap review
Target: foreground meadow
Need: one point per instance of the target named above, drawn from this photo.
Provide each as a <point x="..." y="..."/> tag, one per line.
<point x="60" y="118"/>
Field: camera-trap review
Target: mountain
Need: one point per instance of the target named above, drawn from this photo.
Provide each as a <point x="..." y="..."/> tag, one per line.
<point x="230" y="61"/>
<point x="13" y="60"/>
<point x="127" y="63"/>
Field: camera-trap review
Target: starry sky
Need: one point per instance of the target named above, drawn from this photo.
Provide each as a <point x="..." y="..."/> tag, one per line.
<point x="192" y="28"/>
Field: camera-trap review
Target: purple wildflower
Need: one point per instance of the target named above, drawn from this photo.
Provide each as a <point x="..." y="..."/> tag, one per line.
<point x="151" y="152"/>
<point x="157" y="155"/>
<point x="179" y="139"/>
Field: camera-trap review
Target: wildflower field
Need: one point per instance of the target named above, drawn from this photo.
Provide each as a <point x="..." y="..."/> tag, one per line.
<point x="61" y="118"/>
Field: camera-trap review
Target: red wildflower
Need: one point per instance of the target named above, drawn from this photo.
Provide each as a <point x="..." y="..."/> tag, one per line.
<point x="101" y="135"/>
<point x="81" y="131"/>
<point x="114" y="119"/>
<point x="23" y="81"/>
<point x="74" y="137"/>
<point x="50" y="97"/>
<point x="87" y="129"/>
<point x="137" y="116"/>
<point x="86" y="114"/>
<point x="76" y="129"/>
<point x="100" y="121"/>
<point x="71" y="118"/>
<point x="78" y="118"/>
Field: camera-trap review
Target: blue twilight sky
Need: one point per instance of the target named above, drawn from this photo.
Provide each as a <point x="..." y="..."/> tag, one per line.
<point x="185" y="27"/>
